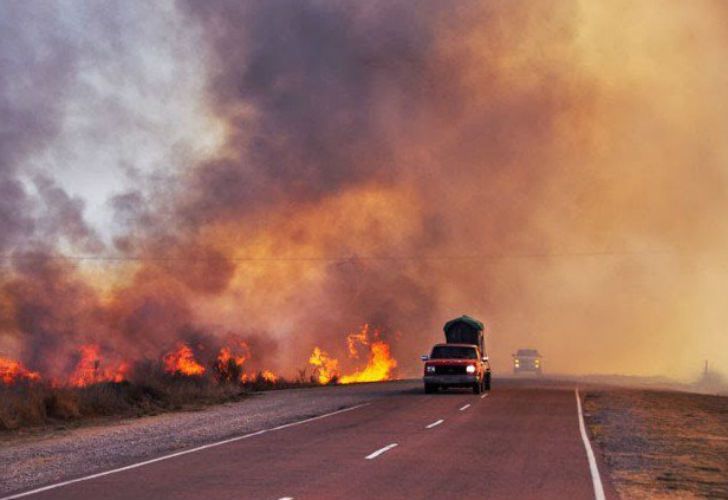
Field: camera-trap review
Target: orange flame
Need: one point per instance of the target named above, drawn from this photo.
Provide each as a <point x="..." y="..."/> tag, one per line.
<point x="121" y="372"/>
<point x="380" y="363"/>
<point x="89" y="369"/>
<point x="325" y="367"/>
<point x="183" y="361"/>
<point x="379" y="366"/>
<point x="226" y="355"/>
<point x="230" y="366"/>
<point x="361" y="337"/>
<point x="86" y="370"/>
<point x="12" y="371"/>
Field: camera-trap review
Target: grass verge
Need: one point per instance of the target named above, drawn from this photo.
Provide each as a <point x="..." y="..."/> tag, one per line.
<point x="25" y="405"/>
<point x="661" y="444"/>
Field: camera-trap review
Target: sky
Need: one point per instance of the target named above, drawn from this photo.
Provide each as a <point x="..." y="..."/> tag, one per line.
<point x="286" y="172"/>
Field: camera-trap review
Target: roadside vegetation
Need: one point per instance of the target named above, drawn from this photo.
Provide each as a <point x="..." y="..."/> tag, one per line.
<point x="101" y="386"/>
<point x="150" y="391"/>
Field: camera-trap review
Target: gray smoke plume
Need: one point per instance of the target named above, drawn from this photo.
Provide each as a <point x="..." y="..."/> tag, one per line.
<point x="553" y="169"/>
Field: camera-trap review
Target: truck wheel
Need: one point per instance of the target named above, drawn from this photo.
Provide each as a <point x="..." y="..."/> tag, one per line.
<point x="487" y="382"/>
<point x="477" y="386"/>
<point x="430" y="388"/>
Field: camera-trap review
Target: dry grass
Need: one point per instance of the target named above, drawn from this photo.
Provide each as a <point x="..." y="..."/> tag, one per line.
<point x="148" y="392"/>
<point x="662" y="444"/>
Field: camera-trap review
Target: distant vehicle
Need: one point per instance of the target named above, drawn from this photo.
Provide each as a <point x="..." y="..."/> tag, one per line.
<point x="527" y="360"/>
<point x="462" y="361"/>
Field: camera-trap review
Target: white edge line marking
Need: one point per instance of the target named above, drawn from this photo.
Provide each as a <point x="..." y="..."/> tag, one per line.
<point x="465" y="407"/>
<point x="484" y="396"/>
<point x="434" y="424"/>
<point x="180" y="453"/>
<point x="374" y="455"/>
<point x="286" y="498"/>
<point x="593" y="469"/>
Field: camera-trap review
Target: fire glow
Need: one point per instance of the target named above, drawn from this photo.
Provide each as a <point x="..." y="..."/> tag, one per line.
<point x="90" y="369"/>
<point x="183" y="362"/>
<point x="230" y="366"/>
<point x="12" y="371"/>
<point x="406" y="175"/>
<point x="368" y="359"/>
<point x="380" y="363"/>
<point x="325" y="367"/>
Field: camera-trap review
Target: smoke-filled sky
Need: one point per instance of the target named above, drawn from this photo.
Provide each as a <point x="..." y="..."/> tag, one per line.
<point x="287" y="171"/>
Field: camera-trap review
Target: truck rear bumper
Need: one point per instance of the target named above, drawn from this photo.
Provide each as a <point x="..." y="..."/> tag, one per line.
<point x="451" y="380"/>
<point x="526" y="370"/>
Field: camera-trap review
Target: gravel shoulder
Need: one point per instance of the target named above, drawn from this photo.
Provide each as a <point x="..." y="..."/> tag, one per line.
<point x="661" y="444"/>
<point x="31" y="461"/>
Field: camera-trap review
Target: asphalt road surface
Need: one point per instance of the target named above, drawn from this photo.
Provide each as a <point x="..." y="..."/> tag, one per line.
<point x="521" y="440"/>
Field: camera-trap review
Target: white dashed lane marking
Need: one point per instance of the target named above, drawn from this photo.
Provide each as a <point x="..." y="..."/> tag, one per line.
<point x="434" y="424"/>
<point x="374" y="455"/>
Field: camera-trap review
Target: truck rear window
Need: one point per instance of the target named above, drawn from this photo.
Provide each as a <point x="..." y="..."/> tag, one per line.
<point x="527" y="352"/>
<point x="453" y="352"/>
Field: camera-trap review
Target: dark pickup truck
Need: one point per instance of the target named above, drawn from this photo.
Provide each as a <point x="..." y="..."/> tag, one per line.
<point x="461" y="362"/>
<point x="527" y="360"/>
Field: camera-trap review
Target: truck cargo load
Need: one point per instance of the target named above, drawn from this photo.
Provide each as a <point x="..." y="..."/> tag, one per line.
<point x="465" y="330"/>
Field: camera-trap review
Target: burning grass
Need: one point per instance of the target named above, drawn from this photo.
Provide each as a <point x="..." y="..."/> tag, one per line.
<point x="11" y="371"/>
<point x="101" y="384"/>
<point x="380" y="364"/>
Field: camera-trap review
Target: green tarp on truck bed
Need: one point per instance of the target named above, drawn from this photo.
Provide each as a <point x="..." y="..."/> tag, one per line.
<point x="465" y="330"/>
<point x="472" y="322"/>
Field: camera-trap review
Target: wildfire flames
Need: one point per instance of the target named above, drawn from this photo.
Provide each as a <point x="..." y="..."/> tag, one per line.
<point x="229" y="367"/>
<point x="325" y="367"/>
<point x="380" y="363"/>
<point x="13" y="371"/>
<point x="287" y="203"/>
<point x="89" y="369"/>
<point x="182" y="361"/>
<point x="379" y="366"/>
<point x="230" y="364"/>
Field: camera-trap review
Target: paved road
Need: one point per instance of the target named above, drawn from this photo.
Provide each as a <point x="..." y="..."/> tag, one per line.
<point x="520" y="441"/>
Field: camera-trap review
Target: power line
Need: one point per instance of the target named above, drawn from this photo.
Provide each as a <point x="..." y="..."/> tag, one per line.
<point x="323" y="258"/>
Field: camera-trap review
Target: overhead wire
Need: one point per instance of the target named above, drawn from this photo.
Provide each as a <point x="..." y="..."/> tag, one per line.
<point x="325" y="258"/>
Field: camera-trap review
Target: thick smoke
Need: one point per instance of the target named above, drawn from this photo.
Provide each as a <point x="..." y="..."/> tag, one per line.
<point x="35" y="71"/>
<point x="556" y="169"/>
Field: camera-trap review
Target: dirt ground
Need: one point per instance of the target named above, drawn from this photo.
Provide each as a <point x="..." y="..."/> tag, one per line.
<point x="661" y="444"/>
